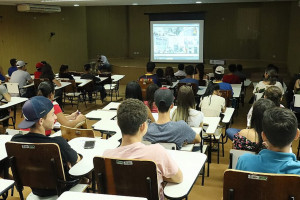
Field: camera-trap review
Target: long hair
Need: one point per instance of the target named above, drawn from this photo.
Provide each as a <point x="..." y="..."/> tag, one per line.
<point x="47" y="72"/>
<point x="150" y="94"/>
<point x="272" y="74"/>
<point x="185" y="101"/>
<point x="210" y="90"/>
<point x="133" y="90"/>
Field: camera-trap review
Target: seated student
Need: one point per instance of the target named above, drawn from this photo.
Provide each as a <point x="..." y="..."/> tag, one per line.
<point x="212" y="104"/>
<point x="39" y="116"/>
<point x="97" y="82"/>
<point x="279" y="129"/>
<point x="161" y="77"/>
<point x="231" y="77"/>
<point x="239" y="72"/>
<point x="165" y="130"/>
<point x="64" y="72"/>
<point x="180" y="71"/>
<point x="150" y="97"/>
<point x="199" y="74"/>
<point x="38" y="71"/>
<point x="189" y="70"/>
<point x="186" y="108"/>
<point x="219" y="73"/>
<point x="149" y="76"/>
<point x="13" y="67"/>
<point x="250" y="139"/>
<point x="46" y="89"/>
<point x="170" y="74"/>
<point x="2" y="76"/>
<point x="132" y="120"/>
<point x="47" y="72"/>
<point x="133" y="91"/>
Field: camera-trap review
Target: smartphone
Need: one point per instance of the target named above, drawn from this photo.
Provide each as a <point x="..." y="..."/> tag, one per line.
<point x="89" y="144"/>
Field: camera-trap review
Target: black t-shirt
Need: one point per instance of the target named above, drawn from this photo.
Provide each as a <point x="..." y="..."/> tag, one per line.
<point x="67" y="153"/>
<point x="66" y="75"/>
<point x="90" y="76"/>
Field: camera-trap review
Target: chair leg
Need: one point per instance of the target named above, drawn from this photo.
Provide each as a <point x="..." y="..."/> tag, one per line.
<point x="218" y="151"/>
<point x="203" y="174"/>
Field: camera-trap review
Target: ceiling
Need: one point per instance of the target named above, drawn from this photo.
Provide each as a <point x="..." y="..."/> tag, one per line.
<point x="123" y="2"/>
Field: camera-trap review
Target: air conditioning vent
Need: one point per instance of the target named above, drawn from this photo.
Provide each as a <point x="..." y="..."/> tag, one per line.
<point x="38" y="8"/>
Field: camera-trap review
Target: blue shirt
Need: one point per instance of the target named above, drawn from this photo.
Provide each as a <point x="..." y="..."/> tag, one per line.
<point x="2" y="78"/>
<point x="11" y="70"/>
<point x="173" y="132"/>
<point x="268" y="161"/>
<point x="189" y="80"/>
<point x="151" y="77"/>
<point x="225" y="86"/>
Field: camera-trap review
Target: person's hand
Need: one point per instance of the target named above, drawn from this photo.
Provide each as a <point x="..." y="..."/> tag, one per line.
<point x="81" y="117"/>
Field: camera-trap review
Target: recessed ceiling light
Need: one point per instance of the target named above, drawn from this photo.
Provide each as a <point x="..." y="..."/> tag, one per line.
<point x="198" y="1"/>
<point x="76" y="5"/>
<point x="134" y="4"/>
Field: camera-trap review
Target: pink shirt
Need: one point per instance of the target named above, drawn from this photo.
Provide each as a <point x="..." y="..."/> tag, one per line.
<point x="166" y="166"/>
<point x="154" y="108"/>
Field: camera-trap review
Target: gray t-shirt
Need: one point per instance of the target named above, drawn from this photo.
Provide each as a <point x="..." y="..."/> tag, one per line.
<point x="3" y="90"/>
<point x="20" y="77"/>
<point x="173" y="132"/>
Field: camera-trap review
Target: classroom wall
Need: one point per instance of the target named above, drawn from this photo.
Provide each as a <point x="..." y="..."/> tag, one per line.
<point x="26" y="36"/>
<point x="293" y="60"/>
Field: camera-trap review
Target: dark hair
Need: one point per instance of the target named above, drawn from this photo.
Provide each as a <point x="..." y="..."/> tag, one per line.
<point x="47" y="72"/>
<point x="239" y="67"/>
<point x="232" y="68"/>
<point x="211" y="87"/>
<point x="160" y="73"/>
<point x="45" y="89"/>
<point x="44" y="62"/>
<point x="63" y="68"/>
<point x="150" y="66"/>
<point x="189" y="70"/>
<point x="280" y="126"/>
<point x="131" y="114"/>
<point x="150" y="94"/>
<point x="169" y="71"/>
<point x="218" y="77"/>
<point x="274" y="94"/>
<point x="181" y="66"/>
<point x="259" y="107"/>
<point x="13" y="61"/>
<point x="272" y="74"/>
<point x="133" y="90"/>
<point x="200" y="68"/>
<point x="87" y="67"/>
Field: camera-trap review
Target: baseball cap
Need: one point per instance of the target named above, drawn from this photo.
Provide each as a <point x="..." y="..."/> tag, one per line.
<point x="34" y="109"/>
<point x="21" y="63"/>
<point x="163" y="95"/>
<point x="219" y="70"/>
<point x="39" y="65"/>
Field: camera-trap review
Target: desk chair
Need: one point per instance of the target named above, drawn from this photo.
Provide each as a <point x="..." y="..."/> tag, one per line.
<point x="71" y="93"/>
<point x="13" y="89"/>
<point x="227" y="95"/>
<point x="5" y="185"/>
<point x="263" y="186"/>
<point x="109" y="85"/>
<point x="126" y="177"/>
<point x="70" y="133"/>
<point x="234" y="155"/>
<point x="144" y="83"/>
<point x="37" y="82"/>
<point x="39" y="166"/>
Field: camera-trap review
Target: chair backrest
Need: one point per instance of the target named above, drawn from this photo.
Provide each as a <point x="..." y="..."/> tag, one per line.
<point x="36" y="165"/>
<point x="252" y="185"/>
<point x="193" y="85"/>
<point x="13" y="89"/>
<point x="37" y="82"/>
<point x="234" y="155"/>
<point x="70" y="88"/>
<point x="296" y="100"/>
<point x="227" y="95"/>
<point x="70" y="133"/>
<point x="144" y="83"/>
<point x="126" y="177"/>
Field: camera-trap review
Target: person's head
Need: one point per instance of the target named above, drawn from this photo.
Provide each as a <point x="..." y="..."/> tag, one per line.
<point x="219" y="73"/>
<point x="150" y="94"/>
<point x="39" y="66"/>
<point x="13" y="62"/>
<point x="181" y="66"/>
<point x="150" y="67"/>
<point x="189" y="70"/>
<point x="87" y="67"/>
<point x="185" y="101"/>
<point x="239" y="67"/>
<point x="47" y="71"/>
<point x="211" y="89"/>
<point x="132" y="117"/>
<point x="160" y="72"/>
<point x="232" y="68"/>
<point x="133" y="90"/>
<point x="169" y="71"/>
<point x="280" y="127"/>
<point x="163" y="99"/>
<point x="46" y="89"/>
<point x="63" y="69"/>
<point x="21" y="65"/>
<point x="38" y="112"/>
<point x="44" y="62"/>
<point x="271" y="74"/>
<point x="274" y="94"/>
<point x="199" y="68"/>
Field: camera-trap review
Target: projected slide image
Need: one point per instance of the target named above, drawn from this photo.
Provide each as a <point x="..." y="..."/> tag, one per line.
<point x="176" y="41"/>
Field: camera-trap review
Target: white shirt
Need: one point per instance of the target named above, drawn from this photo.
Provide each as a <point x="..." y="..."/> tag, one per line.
<point x="261" y="86"/>
<point x="180" y="73"/>
<point x="195" y="118"/>
<point x="212" y="105"/>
